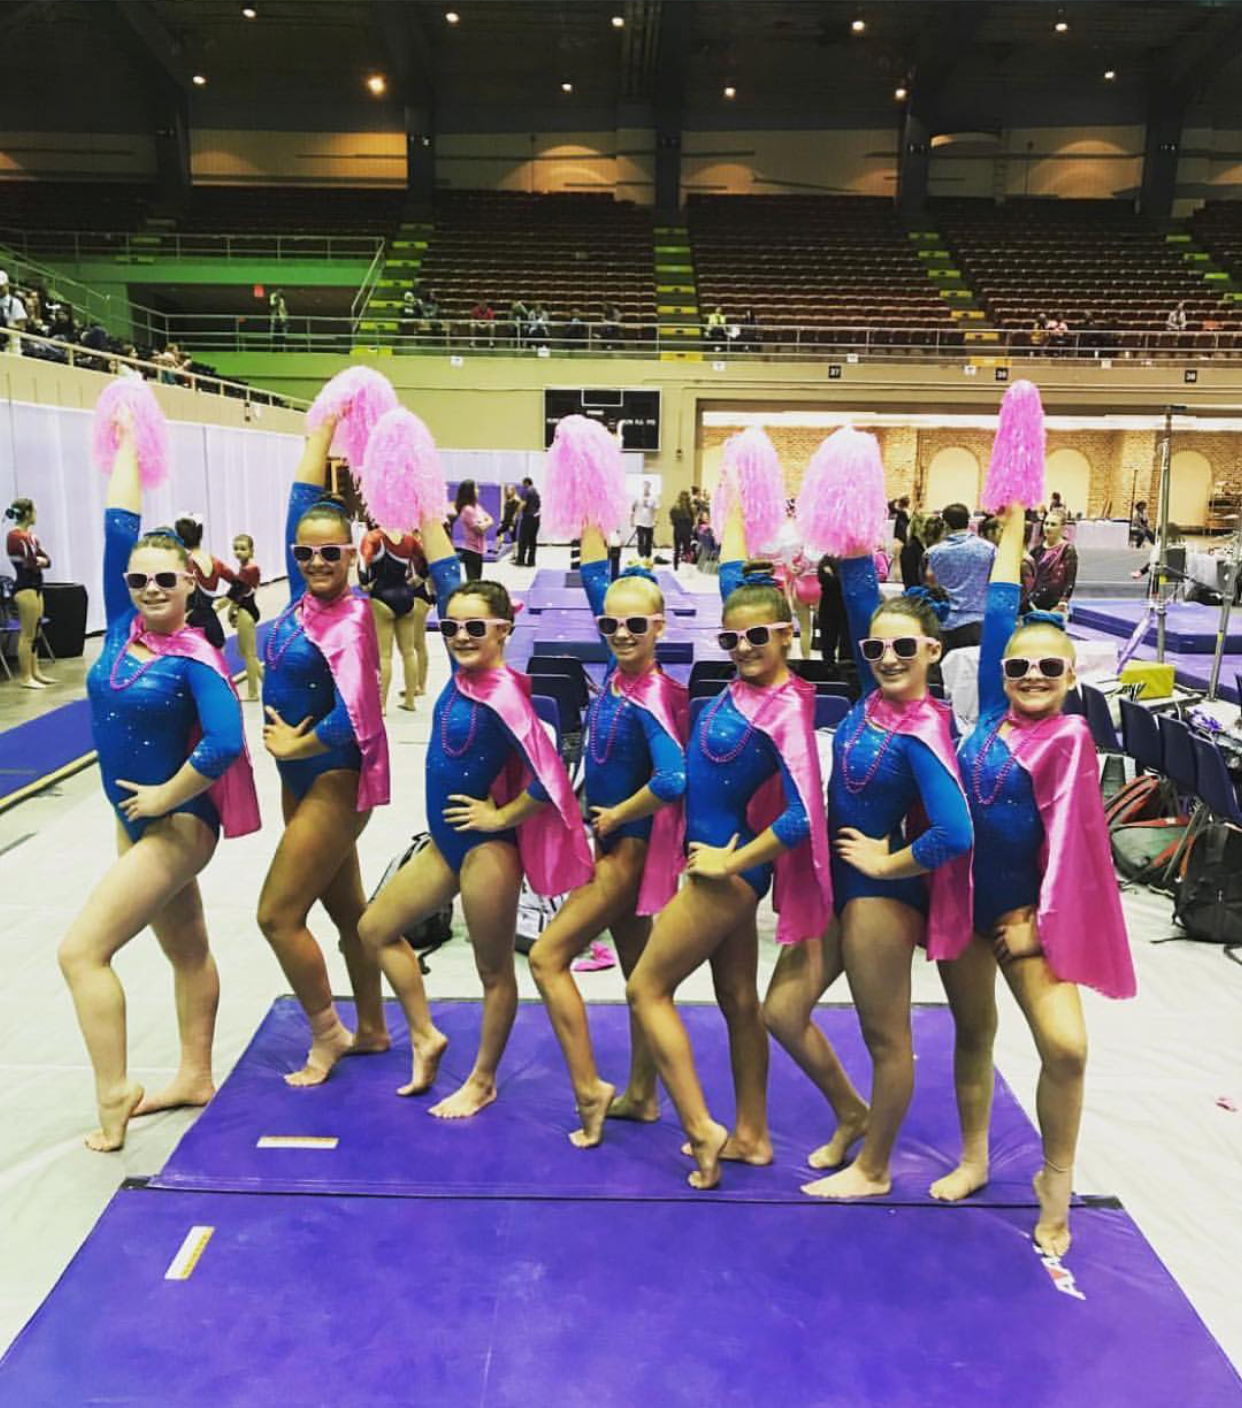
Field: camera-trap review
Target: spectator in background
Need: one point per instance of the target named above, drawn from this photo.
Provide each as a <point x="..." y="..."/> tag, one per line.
<point x="748" y="340"/>
<point x="681" y="516"/>
<point x="914" y="550"/>
<point x="482" y="323"/>
<point x="716" y="327"/>
<point x="834" y="631"/>
<point x="519" y="314"/>
<point x="62" y="326"/>
<point x="127" y="369"/>
<point x="643" y="517"/>
<point x="901" y="519"/>
<point x="611" y="334"/>
<point x="528" y="525"/>
<point x="12" y="314"/>
<point x="509" y="511"/>
<point x="962" y="565"/>
<point x="990" y="530"/>
<point x="429" y="322"/>
<point x="537" y="326"/>
<point x="475" y="521"/>
<point x="280" y="317"/>
<point x="1056" y="566"/>
<point x="1176" y="321"/>
<point x="1058" y="335"/>
<point x="1141" y="531"/>
<point x="407" y="322"/>
<point x="575" y="329"/>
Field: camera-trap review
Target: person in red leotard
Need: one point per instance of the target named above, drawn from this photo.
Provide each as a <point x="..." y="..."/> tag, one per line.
<point x="29" y="563"/>
<point x="209" y="573"/>
<point x="243" y="610"/>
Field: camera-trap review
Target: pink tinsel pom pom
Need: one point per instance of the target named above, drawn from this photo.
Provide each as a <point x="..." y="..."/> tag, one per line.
<point x="842" y="509"/>
<point x="358" y="396"/>
<point x="150" y="429"/>
<point x="585" y="483"/>
<point x="400" y="475"/>
<point x="750" y="469"/>
<point x="1016" y="471"/>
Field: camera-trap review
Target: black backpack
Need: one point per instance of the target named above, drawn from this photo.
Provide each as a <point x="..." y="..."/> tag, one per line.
<point x="436" y="929"/>
<point x="1209" y="899"/>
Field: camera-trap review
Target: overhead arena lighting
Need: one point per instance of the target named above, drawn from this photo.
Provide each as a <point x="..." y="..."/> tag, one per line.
<point x="618" y="21"/>
<point x="1110" y="74"/>
<point x="567" y="87"/>
<point x="451" y="17"/>
<point x="377" y="84"/>
<point x="859" y="26"/>
<point x="730" y="91"/>
<point x="199" y="80"/>
<point x="249" y="12"/>
<point x="901" y="93"/>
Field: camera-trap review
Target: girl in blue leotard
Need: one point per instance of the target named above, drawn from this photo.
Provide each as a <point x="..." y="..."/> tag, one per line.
<point x="485" y="739"/>
<point x="147" y="706"/>
<point x="635" y="767"/>
<point x="312" y="734"/>
<point x="755" y="740"/>
<point x="889" y="761"/>
<point x="1031" y="782"/>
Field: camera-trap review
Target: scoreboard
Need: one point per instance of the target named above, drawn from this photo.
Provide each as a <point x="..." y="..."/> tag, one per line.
<point x="636" y="411"/>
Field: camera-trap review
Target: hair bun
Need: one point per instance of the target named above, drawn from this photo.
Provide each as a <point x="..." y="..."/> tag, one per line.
<point x="941" y="608"/>
<point x="643" y="572"/>
<point x="759" y="579"/>
<point x="1045" y="618"/>
<point x="163" y="531"/>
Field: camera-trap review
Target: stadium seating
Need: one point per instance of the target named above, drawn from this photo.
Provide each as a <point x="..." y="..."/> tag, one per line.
<point x="840" y="266"/>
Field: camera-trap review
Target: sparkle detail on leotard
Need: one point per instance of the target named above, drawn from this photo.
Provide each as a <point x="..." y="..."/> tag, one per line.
<point x="449" y="751"/>
<point x="274" y="657"/>
<point x="851" y="784"/>
<point x="751" y="724"/>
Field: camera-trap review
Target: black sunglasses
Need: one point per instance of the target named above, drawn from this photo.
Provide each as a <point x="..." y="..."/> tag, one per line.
<point x="754" y="635"/>
<point x="329" y="552"/>
<point x="904" y="647"/>
<point x="475" y="627"/>
<point x="635" y="625"/>
<point x="166" y="581"/>
<point x="1016" y="667"/>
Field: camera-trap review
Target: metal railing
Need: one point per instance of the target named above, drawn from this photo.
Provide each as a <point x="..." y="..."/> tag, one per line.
<point x="144" y="245"/>
<point x="765" y="342"/>
<point x="369" y="280"/>
<point x="97" y="359"/>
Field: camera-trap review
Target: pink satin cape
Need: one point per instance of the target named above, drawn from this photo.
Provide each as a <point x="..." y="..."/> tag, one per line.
<point x="1080" y="921"/>
<point x="950" y="887"/>
<point x="343" y="631"/>
<point x="552" y="844"/>
<point x="232" y="793"/>
<point x="669" y="704"/>
<point x="802" y="887"/>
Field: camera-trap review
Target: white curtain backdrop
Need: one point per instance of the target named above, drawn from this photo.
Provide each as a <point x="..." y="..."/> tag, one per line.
<point x="236" y="478"/>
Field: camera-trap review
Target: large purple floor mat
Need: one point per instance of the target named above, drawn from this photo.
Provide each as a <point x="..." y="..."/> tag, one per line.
<point x="519" y="1147"/>
<point x="390" y="1301"/>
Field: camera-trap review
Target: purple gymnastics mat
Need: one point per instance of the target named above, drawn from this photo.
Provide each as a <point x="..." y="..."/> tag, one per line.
<point x="518" y="1147"/>
<point x="387" y="1301"/>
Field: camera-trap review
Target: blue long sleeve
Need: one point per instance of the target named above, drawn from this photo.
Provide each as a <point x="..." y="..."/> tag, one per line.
<point x="445" y="579"/>
<point x="949" y="831"/>
<point x="668" y="760"/>
<point x="121" y="532"/>
<point x="999" y="619"/>
<point x="336" y="728"/>
<point x="219" y="717"/>
<point x="596" y="579"/>
<point x="860" y="588"/>
<point x="793" y="826"/>
<point x="301" y="497"/>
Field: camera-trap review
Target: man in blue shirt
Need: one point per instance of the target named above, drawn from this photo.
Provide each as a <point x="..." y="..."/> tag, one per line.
<point x="962" y="564"/>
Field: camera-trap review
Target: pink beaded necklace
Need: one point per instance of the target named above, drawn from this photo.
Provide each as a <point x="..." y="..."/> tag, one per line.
<point x="596" y="755"/>
<point x="853" y="786"/>
<point x="449" y="751"/>
<point x="751" y="724"/>
<point x="976" y="772"/>
<point x="274" y="657"/>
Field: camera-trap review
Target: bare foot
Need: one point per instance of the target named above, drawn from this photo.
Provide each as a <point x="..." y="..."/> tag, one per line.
<point x="369" y="1043"/>
<point x="409" y="706"/>
<point x="45" y="679"/>
<point x="628" y="1106"/>
<point x="427" y="1054"/>
<point x="184" y="1092"/>
<point x="706" y="1153"/>
<point x="851" y="1182"/>
<point x="966" y="1178"/>
<point x="740" y="1151"/>
<point x="592" y="1113"/>
<point x="114" y="1116"/>
<point x="33" y="684"/>
<point x="837" y="1150"/>
<point x="474" y="1096"/>
<point x="325" y="1052"/>
<point x="1053" y="1188"/>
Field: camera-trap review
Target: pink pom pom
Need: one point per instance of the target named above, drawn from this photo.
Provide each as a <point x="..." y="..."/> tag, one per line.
<point x="150" y="429"/>
<point x="750" y="469"/>
<point x="585" y="483"/>
<point x="842" y="509"/>
<point x="1016" y="471"/>
<point x="400" y="475"/>
<point x="358" y="396"/>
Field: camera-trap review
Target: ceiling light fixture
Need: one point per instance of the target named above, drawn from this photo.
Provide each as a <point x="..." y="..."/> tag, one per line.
<point x="451" y="17"/>
<point x="567" y="87"/>
<point x="249" y="12"/>
<point x="199" y="80"/>
<point x="1110" y="74"/>
<point x="730" y="91"/>
<point x="859" y="26"/>
<point x="377" y="84"/>
<point x="618" y="21"/>
<point x="901" y="93"/>
<point x="1061" y="26"/>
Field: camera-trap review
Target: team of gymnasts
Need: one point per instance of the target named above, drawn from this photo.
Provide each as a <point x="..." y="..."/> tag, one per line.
<point x="991" y="854"/>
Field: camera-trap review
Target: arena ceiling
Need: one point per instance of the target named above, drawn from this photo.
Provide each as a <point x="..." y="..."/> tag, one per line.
<point x="796" y="60"/>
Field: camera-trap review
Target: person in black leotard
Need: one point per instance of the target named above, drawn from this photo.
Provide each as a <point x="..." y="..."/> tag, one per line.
<point x="209" y="573"/>
<point x="29" y="563"/>
<point x="394" y="570"/>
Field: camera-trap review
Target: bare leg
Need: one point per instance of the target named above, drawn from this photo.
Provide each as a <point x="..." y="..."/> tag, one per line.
<point x="345" y="900"/>
<point x="320" y="831"/>
<point x="585" y="914"/>
<point x="640" y="1099"/>
<point x="491" y="878"/>
<point x="384" y="630"/>
<point x="804" y="972"/>
<point x="970" y="985"/>
<point x="802" y="613"/>
<point x="879" y="939"/>
<point x="182" y="934"/>
<point x="249" y="653"/>
<point x="144" y="878"/>
<point x="407" y="633"/>
<point x="700" y="917"/>
<point x="1053" y="1011"/>
<point x="28" y="614"/>
<point x="418" y="617"/>
<point x="418" y="889"/>
<point x="735" y="976"/>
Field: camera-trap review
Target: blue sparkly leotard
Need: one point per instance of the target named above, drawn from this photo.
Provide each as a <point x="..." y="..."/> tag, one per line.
<point x="626" y="748"/>
<point x="297" y="681"/>
<point x="143" y="712"/>
<point x="890" y="772"/>
<point x="468" y="749"/>
<point x="1009" y="831"/>
<point x="728" y="760"/>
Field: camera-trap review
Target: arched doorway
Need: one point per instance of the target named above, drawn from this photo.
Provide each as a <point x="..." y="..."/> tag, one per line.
<point x="1068" y="472"/>
<point x="1190" y="488"/>
<point x="952" y="478"/>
